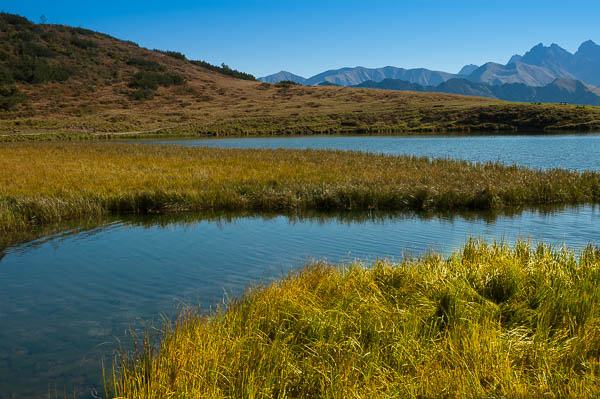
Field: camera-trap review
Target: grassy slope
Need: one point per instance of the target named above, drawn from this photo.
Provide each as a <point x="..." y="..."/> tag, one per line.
<point x="96" y="98"/>
<point x="44" y="182"/>
<point x="488" y="322"/>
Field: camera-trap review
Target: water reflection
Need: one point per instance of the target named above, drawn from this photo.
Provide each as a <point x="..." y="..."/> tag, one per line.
<point x="39" y="235"/>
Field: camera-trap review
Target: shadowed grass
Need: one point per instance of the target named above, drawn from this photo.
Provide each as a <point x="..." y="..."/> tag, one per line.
<point x="489" y="321"/>
<point x="47" y="182"/>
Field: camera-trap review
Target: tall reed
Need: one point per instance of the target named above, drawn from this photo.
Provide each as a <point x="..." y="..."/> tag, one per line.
<point x="43" y="182"/>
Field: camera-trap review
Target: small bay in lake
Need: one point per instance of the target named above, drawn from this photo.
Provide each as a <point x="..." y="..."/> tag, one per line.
<point x="573" y="151"/>
<point x="66" y="296"/>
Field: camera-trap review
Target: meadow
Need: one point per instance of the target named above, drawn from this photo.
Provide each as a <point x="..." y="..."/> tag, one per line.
<point x="49" y="182"/>
<point x="490" y="321"/>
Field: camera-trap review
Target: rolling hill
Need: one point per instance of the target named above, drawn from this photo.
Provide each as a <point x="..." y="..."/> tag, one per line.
<point x="63" y="82"/>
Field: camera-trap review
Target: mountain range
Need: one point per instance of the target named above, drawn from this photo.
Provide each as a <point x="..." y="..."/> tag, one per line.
<point x="560" y="90"/>
<point x="526" y="77"/>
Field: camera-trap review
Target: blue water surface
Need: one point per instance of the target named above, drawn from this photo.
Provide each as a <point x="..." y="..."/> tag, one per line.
<point x="65" y="297"/>
<point x="576" y="151"/>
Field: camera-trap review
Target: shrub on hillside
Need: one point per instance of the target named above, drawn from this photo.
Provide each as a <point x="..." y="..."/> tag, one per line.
<point x="225" y="70"/>
<point x="173" y="54"/>
<point x="35" y="50"/>
<point x="33" y="70"/>
<point x="152" y="80"/>
<point x="82" y="31"/>
<point x="84" y="44"/>
<point x="5" y="75"/>
<point x="14" y="19"/>
<point x="286" y="83"/>
<point x="141" y="94"/>
<point x="145" y="64"/>
<point x="9" y="97"/>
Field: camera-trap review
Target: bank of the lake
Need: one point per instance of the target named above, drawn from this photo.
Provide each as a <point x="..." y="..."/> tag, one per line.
<point x="44" y="182"/>
<point x="489" y="321"/>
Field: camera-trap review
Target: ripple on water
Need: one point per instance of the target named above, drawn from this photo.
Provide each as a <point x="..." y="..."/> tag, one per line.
<point x="68" y="295"/>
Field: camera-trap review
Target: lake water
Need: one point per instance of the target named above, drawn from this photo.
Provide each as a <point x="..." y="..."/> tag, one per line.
<point x="577" y="151"/>
<point x="67" y="292"/>
<point x="67" y="295"/>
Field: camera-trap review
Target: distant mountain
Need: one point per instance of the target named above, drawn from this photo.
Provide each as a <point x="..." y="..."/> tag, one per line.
<point x="514" y="58"/>
<point x="538" y="67"/>
<point x="393" y="84"/>
<point x="554" y="58"/>
<point x="357" y="75"/>
<point x="560" y="90"/>
<point x="281" y="76"/>
<point x="465" y="87"/>
<point x="468" y="69"/>
<point x="516" y="72"/>
<point x="568" y="90"/>
<point x="586" y="63"/>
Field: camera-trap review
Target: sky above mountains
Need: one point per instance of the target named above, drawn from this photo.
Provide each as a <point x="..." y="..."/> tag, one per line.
<point x="308" y="37"/>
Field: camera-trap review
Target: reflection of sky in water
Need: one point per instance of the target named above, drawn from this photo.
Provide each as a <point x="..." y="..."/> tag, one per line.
<point x="564" y="151"/>
<point x="64" y="296"/>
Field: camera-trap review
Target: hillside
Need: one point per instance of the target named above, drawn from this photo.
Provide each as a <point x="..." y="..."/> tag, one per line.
<point x="59" y="80"/>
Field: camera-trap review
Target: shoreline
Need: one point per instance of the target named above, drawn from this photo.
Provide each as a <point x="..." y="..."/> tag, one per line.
<point x="491" y="320"/>
<point x="61" y="181"/>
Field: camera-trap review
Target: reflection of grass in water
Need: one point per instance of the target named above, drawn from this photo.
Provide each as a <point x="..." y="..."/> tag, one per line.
<point x="37" y="235"/>
<point x="489" y="321"/>
<point x="40" y="183"/>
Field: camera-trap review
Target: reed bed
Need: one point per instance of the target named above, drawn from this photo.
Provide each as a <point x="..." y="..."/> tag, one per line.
<point x="490" y="321"/>
<point x="44" y="182"/>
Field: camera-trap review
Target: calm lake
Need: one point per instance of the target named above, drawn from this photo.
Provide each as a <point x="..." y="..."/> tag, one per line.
<point x="69" y="291"/>
<point x="576" y="151"/>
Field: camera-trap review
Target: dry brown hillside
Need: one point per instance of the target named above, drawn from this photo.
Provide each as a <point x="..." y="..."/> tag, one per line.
<point x="59" y="79"/>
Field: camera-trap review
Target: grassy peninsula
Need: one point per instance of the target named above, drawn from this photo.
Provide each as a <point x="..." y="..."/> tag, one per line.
<point x="46" y="182"/>
<point x="60" y="82"/>
<point x="490" y="321"/>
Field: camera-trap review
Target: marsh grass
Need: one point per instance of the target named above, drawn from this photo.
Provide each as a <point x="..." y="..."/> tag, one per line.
<point x="489" y="321"/>
<point x="47" y="182"/>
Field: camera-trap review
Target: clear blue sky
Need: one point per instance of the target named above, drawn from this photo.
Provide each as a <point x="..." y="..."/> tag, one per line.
<point x="307" y="37"/>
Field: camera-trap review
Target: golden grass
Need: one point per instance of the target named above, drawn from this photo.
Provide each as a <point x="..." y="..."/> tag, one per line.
<point x="43" y="182"/>
<point x="490" y="321"/>
<point x="237" y="107"/>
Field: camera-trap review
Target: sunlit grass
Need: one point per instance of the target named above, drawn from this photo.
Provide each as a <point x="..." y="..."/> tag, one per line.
<point x="490" y="321"/>
<point x="56" y="181"/>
